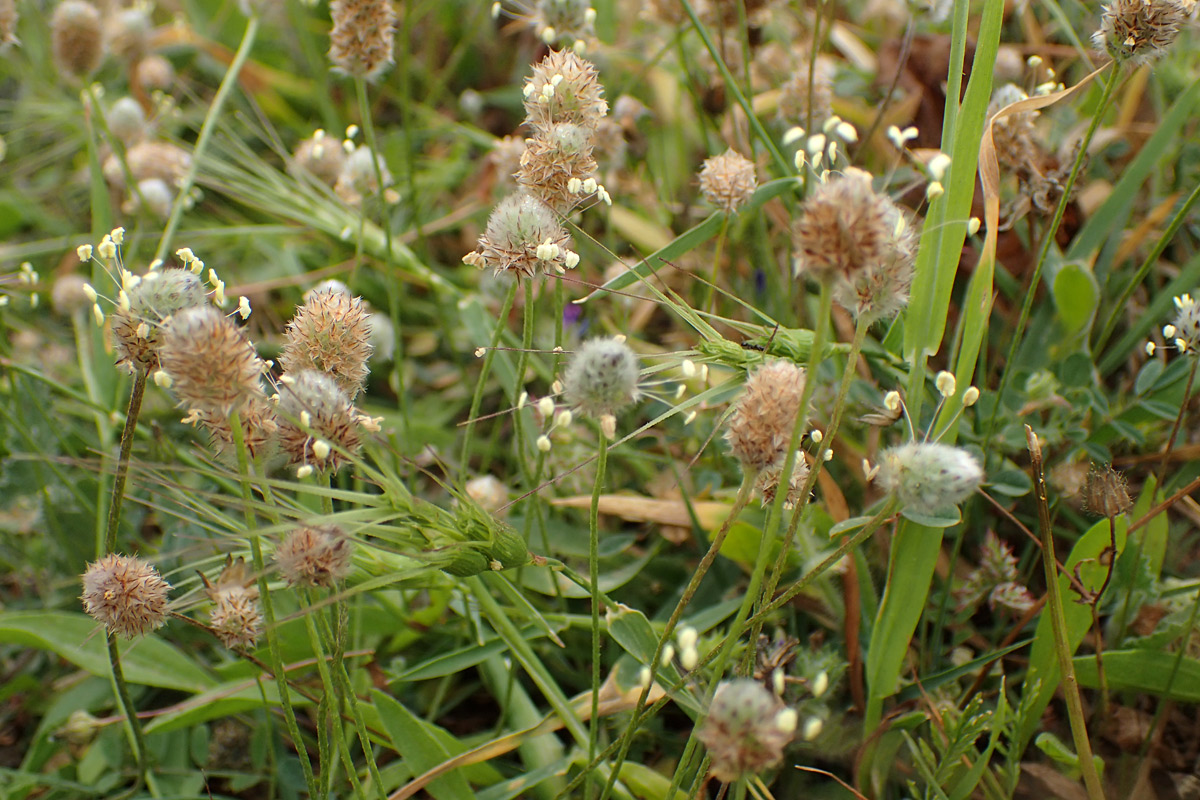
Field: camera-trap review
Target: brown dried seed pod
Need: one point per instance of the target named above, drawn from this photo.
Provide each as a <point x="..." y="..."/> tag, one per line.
<point x="1105" y="492"/>
<point x="259" y="429"/>
<point x="760" y="427"/>
<point x="317" y="422"/>
<point x="362" y="38"/>
<point x="77" y="37"/>
<point x="212" y="365"/>
<point x="728" y="181"/>
<point x="330" y="333"/>
<point x="767" y="482"/>
<point x="126" y="594"/>
<point x="315" y="556"/>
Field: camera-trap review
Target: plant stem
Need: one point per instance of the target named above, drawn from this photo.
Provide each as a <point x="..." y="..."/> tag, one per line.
<point x="594" y="580"/>
<point x="1187" y="393"/>
<point x="1062" y="645"/>
<point x="206" y="130"/>
<point x="488" y="357"/>
<point x="117" y="498"/>
<point x="131" y="717"/>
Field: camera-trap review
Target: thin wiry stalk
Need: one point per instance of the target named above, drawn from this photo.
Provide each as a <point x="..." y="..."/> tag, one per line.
<point x="594" y="579"/>
<point x="477" y="397"/>
<point x="117" y="497"/>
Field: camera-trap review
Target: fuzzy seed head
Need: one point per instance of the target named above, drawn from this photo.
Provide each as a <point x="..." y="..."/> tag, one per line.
<point x="568" y="20"/>
<point x="330" y="333"/>
<point x="320" y="157"/>
<point x="259" y="428"/>
<point x="362" y="38"/>
<point x="602" y="377"/>
<point x="127" y="120"/>
<point x="213" y="366"/>
<point x="312" y="409"/>
<point x="236" y="617"/>
<point x="728" y="181"/>
<point x="488" y="492"/>
<point x="795" y="99"/>
<point x="741" y="732"/>
<point x="148" y="159"/>
<point x="556" y="163"/>
<point x="1187" y="325"/>
<point x="859" y="241"/>
<point x="760" y="427"/>
<point x="564" y="88"/>
<point x="929" y="476"/>
<point x="68" y="295"/>
<point x="358" y="179"/>
<point x="126" y="594"/>
<point x="515" y="240"/>
<point x="1139" y="31"/>
<point x="129" y="31"/>
<point x="1105" y="492"/>
<point x="315" y="556"/>
<point x="77" y="37"/>
<point x="137" y="330"/>
<point x="8" y="24"/>
<point x="154" y="72"/>
<point x="767" y="482"/>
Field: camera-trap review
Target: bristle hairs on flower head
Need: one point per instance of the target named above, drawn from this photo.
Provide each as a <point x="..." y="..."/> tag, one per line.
<point x="318" y="425"/>
<point x="760" y="427"/>
<point x="330" y="333"/>
<point x="1184" y="330"/>
<point x="155" y="297"/>
<point x="236" y="617"/>
<point x="77" y="36"/>
<point x="523" y="236"/>
<point x="259" y="428"/>
<point x="928" y="476"/>
<point x="564" y="88"/>
<point x="602" y="377"/>
<point x="363" y="36"/>
<point x="746" y="729"/>
<point x="728" y="181"/>
<point x="767" y="483"/>
<point x="126" y="594"/>
<point x="1139" y="31"/>
<point x="212" y="365"/>
<point x="557" y="164"/>
<point x="857" y="240"/>
<point x="315" y="556"/>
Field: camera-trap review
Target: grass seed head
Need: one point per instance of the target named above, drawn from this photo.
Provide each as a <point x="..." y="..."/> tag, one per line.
<point x="564" y="88"/>
<point x="1106" y="492"/>
<point x="315" y="556"/>
<point x="77" y="37"/>
<point x="728" y="181"/>
<point x="235" y="616"/>
<point x="555" y="161"/>
<point x="362" y="38"/>
<point x="259" y="428"/>
<point x="154" y="72"/>
<point x="213" y="366"/>
<point x="1186" y="324"/>
<point x="330" y="333"/>
<point x="126" y="594"/>
<point x="741" y="731"/>
<point x="1139" y="31"/>
<point x="929" y="476"/>
<point x="129" y="32"/>
<point x="602" y="377"/>
<point x="137" y="330"/>
<point x="317" y="422"/>
<point x="760" y="427"/>
<point x="523" y="236"/>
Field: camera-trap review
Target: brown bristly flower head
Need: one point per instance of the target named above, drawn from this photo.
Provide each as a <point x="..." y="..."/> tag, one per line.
<point x="1105" y="492"/>
<point x="236" y="617"/>
<point x="362" y="38"/>
<point x="126" y="594"/>
<point x="330" y="333"/>
<point x="564" y="88"/>
<point x="1139" y="31"/>
<point x="358" y="179"/>
<point x="314" y="556"/>
<point x="259" y="428"/>
<point x="153" y="72"/>
<point x="318" y="425"/>
<point x="795" y="101"/>
<point x="212" y="365"/>
<point x="556" y="165"/>
<point x="320" y="155"/>
<point x="153" y="298"/>
<point x="858" y="241"/>
<point x="77" y="37"/>
<point x="148" y="160"/>
<point x="8" y="24"/>
<point x="128" y="32"/>
<point x="745" y="730"/>
<point x="767" y="482"/>
<point x="570" y="22"/>
<point x="760" y="427"/>
<point x="523" y="236"/>
<point x="728" y="181"/>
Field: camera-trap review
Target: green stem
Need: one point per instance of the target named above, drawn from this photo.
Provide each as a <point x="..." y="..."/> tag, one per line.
<point x="117" y="497"/>
<point x="488" y="357"/>
<point x="131" y="717"/>
<point x="594" y="580"/>
<point x="1062" y="645"/>
<point x="329" y="720"/>
<point x="206" y="130"/>
<point x="1187" y="393"/>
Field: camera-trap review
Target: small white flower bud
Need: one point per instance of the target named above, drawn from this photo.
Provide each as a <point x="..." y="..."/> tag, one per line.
<point x="973" y="226"/>
<point x="84" y="251"/>
<point x="543" y="443"/>
<point x="891" y="401"/>
<point x="689" y="657"/>
<point x="668" y="654"/>
<point x="644" y="677"/>
<point x="321" y="449"/>
<point x="564" y="419"/>
<point x="687" y="637"/>
<point x="304" y="471"/>
<point x="546" y="407"/>
<point x="938" y="166"/>
<point x="970" y="396"/>
<point x="89" y="292"/>
<point x="935" y="190"/>
<point x="786" y="720"/>
<point x="162" y="379"/>
<point x="820" y="683"/>
<point x="946" y="384"/>
<point x="817" y="436"/>
<point x="812" y="728"/>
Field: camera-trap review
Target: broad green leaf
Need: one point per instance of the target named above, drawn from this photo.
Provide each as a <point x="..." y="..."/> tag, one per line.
<point x="422" y="750"/>
<point x="1076" y="295"/>
<point x="456" y="661"/>
<point x="931" y="518"/>
<point x="1147" y="671"/>
<point x="234" y="697"/>
<point x="79" y="639"/>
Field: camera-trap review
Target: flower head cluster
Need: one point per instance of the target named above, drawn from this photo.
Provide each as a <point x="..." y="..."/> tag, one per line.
<point x="212" y="366"/>
<point x="802" y="95"/>
<point x="360" y="175"/>
<point x="564" y="88"/>
<point x="1184" y="330"/>
<point x="556" y="163"/>
<point x="157" y="169"/>
<point x="320" y="155"/>
<point x="330" y="333"/>
<point x="77" y="38"/>
<point x="567" y="21"/>
<point x="314" y="556"/>
<point x="928" y="476"/>
<point x="126" y="594"/>
<point x="602" y="378"/>
<point x="746" y="730"/>
<point x="236" y="617"/>
<point x="767" y="483"/>
<point x="149" y="300"/>
<point x="1139" y="31"/>
<point x="858" y="241"/>
<point x="1105" y="492"/>
<point x="318" y="424"/>
<point x="728" y="181"/>
<point x="524" y="237"/>
<point x="362" y="38"/>
<point x="760" y="427"/>
<point x="997" y="578"/>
